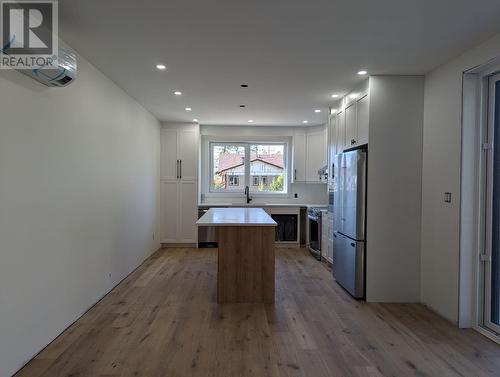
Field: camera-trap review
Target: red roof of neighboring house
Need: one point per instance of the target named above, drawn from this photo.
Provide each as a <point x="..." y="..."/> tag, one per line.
<point x="232" y="160"/>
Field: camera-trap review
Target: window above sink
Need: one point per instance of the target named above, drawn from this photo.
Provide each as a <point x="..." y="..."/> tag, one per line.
<point x="261" y="165"/>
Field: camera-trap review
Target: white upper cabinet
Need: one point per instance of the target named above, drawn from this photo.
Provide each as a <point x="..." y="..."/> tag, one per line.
<point x="316" y="155"/>
<point x="310" y="148"/>
<point x="350" y="126"/>
<point x="362" y="107"/>
<point x="332" y="147"/>
<point x="340" y="131"/>
<point x="179" y="153"/>
<point x="169" y="156"/>
<point x="188" y="145"/>
<point x="299" y="157"/>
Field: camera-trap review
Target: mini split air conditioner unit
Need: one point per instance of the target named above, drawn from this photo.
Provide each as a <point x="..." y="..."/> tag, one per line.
<point x="62" y="75"/>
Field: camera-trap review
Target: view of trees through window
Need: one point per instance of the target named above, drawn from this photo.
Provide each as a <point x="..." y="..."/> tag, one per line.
<point x="267" y="170"/>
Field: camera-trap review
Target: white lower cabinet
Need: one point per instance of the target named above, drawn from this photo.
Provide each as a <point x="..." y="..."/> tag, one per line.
<point x="170" y="209"/>
<point x="327" y="236"/>
<point x="324" y="234"/>
<point x="188" y="211"/>
<point x="178" y="211"/>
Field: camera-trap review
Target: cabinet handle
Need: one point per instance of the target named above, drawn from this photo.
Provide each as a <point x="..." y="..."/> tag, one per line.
<point x="177" y="166"/>
<point x="180" y="169"/>
<point x="295" y="174"/>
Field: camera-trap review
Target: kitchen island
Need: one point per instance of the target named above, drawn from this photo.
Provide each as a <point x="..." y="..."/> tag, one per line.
<point x="245" y="262"/>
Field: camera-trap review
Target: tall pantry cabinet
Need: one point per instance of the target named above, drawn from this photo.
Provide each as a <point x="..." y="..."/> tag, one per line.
<point x="179" y="182"/>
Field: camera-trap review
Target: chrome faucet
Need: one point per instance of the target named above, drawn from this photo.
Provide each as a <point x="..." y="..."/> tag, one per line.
<point x="247" y="193"/>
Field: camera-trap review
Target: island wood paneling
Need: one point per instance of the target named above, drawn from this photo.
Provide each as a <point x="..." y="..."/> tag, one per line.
<point x="245" y="264"/>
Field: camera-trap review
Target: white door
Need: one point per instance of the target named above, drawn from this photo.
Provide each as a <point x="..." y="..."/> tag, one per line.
<point x="169" y="212"/>
<point x="363" y="122"/>
<point x="316" y="155"/>
<point x="340" y="132"/>
<point x="350" y="126"/>
<point x="188" y="154"/>
<point x="188" y="211"/>
<point x="169" y="160"/>
<point x="492" y="211"/>
<point x="299" y="157"/>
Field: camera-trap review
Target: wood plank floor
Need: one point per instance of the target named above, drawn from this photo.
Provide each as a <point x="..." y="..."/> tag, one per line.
<point x="163" y="320"/>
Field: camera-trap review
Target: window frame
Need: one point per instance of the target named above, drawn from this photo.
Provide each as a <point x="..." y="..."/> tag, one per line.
<point x="212" y="142"/>
<point x="234" y="180"/>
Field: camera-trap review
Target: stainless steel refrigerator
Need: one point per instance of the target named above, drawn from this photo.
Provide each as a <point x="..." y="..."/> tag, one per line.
<point x="349" y="221"/>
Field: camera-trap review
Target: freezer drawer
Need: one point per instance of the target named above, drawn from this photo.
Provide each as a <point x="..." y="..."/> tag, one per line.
<point x="349" y="264"/>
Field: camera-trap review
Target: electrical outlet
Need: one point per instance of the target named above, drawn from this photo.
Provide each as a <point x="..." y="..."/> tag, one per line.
<point x="447" y="197"/>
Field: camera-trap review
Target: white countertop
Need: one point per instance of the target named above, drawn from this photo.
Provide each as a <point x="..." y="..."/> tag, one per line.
<point x="260" y="205"/>
<point x="236" y="217"/>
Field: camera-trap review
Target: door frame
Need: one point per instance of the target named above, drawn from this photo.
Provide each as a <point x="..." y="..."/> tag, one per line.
<point x="487" y="231"/>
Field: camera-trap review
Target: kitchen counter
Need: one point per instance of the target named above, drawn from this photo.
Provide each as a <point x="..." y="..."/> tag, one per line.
<point x="260" y="205"/>
<point x="236" y="217"/>
<point x="245" y="254"/>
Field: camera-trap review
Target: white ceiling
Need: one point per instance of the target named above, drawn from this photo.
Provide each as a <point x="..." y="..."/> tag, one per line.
<point x="293" y="54"/>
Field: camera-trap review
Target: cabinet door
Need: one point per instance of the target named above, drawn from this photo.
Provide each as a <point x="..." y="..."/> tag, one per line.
<point x="168" y="165"/>
<point x="188" y="211"/>
<point x="332" y="149"/>
<point x="340" y="132"/>
<point x="329" y="255"/>
<point x="169" y="211"/>
<point x="299" y="158"/>
<point x="316" y="155"/>
<point x="363" y="121"/>
<point x="324" y="235"/>
<point x="188" y="153"/>
<point x="350" y="126"/>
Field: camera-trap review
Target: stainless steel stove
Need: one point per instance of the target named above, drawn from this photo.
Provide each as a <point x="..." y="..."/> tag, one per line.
<point x="314" y="231"/>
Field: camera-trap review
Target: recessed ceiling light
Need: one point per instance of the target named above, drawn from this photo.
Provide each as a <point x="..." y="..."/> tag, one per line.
<point x="305" y="121"/>
<point x="177" y="93"/>
<point x="362" y="72"/>
<point x="250" y="121"/>
<point x="188" y="109"/>
<point x="244" y="85"/>
<point x="317" y="111"/>
<point x="161" y="67"/>
<point x="335" y="96"/>
<point x="334" y="111"/>
<point x="353" y="95"/>
<point x="195" y="120"/>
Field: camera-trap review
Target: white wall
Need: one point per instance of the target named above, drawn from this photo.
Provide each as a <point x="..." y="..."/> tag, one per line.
<point x="79" y="180"/>
<point x="394" y="188"/>
<point x="441" y="173"/>
<point x="307" y="193"/>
